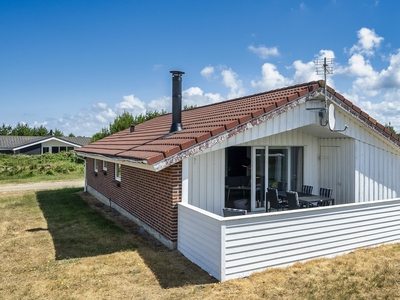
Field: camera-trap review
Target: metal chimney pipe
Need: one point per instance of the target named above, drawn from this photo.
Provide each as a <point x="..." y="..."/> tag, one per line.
<point x="132" y="128"/>
<point x="176" y="101"/>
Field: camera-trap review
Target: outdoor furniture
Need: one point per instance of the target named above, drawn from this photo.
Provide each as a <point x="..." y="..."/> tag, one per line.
<point x="229" y="212"/>
<point x="241" y="204"/>
<point x="293" y="200"/>
<point x="307" y="189"/>
<point x="315" y="200"/>
<point x="272" y="198"/>
<point x="237" y="186"/>
<point x="325" y="192"/>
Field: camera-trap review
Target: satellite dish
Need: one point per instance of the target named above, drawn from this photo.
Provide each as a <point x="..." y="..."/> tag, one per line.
<point x="331" y="117"/>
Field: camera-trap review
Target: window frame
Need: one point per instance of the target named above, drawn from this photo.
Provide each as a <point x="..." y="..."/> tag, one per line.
<point x="104" y="165"/>
<point x="118" y="171"/>
<point x="95" y="168"/>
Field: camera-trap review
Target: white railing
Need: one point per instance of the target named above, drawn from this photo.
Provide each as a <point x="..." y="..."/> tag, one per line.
<point x="237" y="246"/>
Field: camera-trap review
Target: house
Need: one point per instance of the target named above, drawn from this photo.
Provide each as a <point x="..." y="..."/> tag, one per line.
<point x="40" y="144"/>
<point x="174" y="175"/>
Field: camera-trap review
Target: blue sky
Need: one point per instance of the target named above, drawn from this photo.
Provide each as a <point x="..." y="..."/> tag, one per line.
<point x="75" y="65"/>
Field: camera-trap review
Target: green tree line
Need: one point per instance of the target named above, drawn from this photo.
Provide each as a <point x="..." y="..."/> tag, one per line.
<point x="22" y="129"/>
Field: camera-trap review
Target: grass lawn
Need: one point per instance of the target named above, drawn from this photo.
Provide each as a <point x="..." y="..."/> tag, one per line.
<point x="63" y="244"/>
<point x="34" y="168"/>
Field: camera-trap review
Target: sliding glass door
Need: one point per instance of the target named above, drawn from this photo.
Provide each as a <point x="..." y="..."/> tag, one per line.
<point x="250" y="170"/>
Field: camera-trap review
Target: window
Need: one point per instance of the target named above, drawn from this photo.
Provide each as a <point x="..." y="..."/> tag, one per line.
<point x="46" y="149"/>
<point x="118" y="172"/>
<point x="250" y="170"/>
<point x="95" y="165"/>
<point x="63" y="149"/>
<point x="70" y="148"/>
<point x="55" y="149"/>
<point x="104" y="165"/>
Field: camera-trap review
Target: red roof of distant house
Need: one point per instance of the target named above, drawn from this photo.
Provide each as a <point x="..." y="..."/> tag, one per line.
<point x="151" y="141"/>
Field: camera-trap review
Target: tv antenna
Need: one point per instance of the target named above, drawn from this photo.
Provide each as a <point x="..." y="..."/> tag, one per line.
<point x="324" y="67"/>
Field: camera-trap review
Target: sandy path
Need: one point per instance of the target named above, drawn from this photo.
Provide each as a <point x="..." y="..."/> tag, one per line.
<point x="46" y="185"/>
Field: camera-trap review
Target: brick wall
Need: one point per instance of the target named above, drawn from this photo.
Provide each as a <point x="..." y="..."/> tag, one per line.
<point x="151" y="197"/>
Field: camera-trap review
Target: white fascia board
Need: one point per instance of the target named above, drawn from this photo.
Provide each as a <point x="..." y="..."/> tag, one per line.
<point x="142" y="164"/>
<point x="44" y="141"/>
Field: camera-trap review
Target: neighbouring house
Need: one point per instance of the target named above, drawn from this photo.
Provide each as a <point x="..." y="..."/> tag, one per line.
<point x="40" y="144"/>
<point x="174" y="175"/>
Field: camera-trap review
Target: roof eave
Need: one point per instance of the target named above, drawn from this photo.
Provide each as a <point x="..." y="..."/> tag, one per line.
<point x="140" y="164"/>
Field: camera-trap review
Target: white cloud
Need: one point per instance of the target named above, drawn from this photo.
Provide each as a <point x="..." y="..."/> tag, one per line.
<point x="304" y="71"/>
<point x="230" y="80"/>
<point x="162" y="103"/>
<point x="325" y="54"/>
<point x="271" y="79"/>
<point x="367" y="43"/>
<point x="131" y="104"/>
<point x="195" y="96"/>
<point x="390" y="78"/>
<point x="264" y="52"/>
<point x="191" y="96"/>
<point x="207" y="72"/>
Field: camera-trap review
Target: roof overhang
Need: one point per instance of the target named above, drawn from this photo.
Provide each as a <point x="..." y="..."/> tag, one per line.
<point x="140" y="164"/>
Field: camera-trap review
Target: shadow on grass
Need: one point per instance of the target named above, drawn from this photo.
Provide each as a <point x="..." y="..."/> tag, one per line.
<point x="81" y="226"/>
<point x="78" y="230"/>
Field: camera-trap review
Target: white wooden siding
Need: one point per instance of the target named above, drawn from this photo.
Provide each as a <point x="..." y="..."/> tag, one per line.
<point x="337" y="168"/>
<point x="199" y="238"/>
<point x="255" y="242"/>
<point x="206" y="187"/>
<point x="376" y="173"/>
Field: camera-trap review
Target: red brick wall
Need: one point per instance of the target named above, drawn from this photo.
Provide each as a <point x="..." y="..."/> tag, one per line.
<point x="150" y="196"/>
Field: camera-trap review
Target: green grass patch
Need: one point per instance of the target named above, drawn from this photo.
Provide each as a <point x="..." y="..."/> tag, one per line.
<point x="33" y="168"/>
<point x="77" y="229"/>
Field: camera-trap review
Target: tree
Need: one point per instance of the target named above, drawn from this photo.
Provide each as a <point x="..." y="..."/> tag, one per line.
<point x="39" y="131"/>
<point x="58" y="133"/>
<point x="21" y="130"/>
<point x="121" y="122"/>
<point x="125" y="120"/>
<point x="187" y="107"/>
<point x="99" y="135"/>
<point x="5" y="129"/>
<point x="71" y="135"/>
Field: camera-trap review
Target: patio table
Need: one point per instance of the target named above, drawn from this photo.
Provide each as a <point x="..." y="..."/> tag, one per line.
<point x="240" y="188"/>
<point x="307" y="199"/>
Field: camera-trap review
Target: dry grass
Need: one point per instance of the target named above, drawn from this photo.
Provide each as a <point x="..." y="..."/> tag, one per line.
<point x="55" y="246"/>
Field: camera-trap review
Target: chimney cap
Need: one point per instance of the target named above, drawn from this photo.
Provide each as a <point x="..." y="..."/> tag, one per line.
<point x="177" y="72"/>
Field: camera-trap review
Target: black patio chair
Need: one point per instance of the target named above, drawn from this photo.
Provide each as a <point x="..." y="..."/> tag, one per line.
<point x="293" y="200"/>
<point x="307" y="189"/>
<point x="325" y="192"/>
<point x="272" y="197"/>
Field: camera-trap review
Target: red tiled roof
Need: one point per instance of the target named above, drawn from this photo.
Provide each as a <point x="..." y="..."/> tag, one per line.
<point x="151" y="141"/>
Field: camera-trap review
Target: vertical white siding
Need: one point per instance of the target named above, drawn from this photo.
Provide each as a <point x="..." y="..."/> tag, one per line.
<point x="337" y="168"/>
<point x="246" y="244"/>
<point x="206" y="187"/>
<point x="376" y="173"/>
